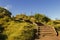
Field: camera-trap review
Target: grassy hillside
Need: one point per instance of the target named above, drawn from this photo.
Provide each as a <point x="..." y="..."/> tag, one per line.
<point x="21" y="27"/>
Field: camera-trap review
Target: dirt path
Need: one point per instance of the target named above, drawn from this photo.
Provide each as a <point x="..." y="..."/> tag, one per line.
<point x="47" y="33"/>
<point x="50" y="38"/>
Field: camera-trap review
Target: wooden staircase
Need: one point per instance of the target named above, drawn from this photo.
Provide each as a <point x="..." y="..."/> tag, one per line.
<point x="45" y="30"/>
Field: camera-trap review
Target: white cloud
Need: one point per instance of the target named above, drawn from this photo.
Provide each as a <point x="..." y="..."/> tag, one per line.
<point x="8" y="7"/>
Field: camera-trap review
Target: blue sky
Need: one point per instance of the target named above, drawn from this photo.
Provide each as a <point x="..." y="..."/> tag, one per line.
<point x="50" y="8"/>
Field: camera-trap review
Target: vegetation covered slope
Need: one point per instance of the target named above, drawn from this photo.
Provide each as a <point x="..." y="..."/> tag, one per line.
<point x="21" y="27"/>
